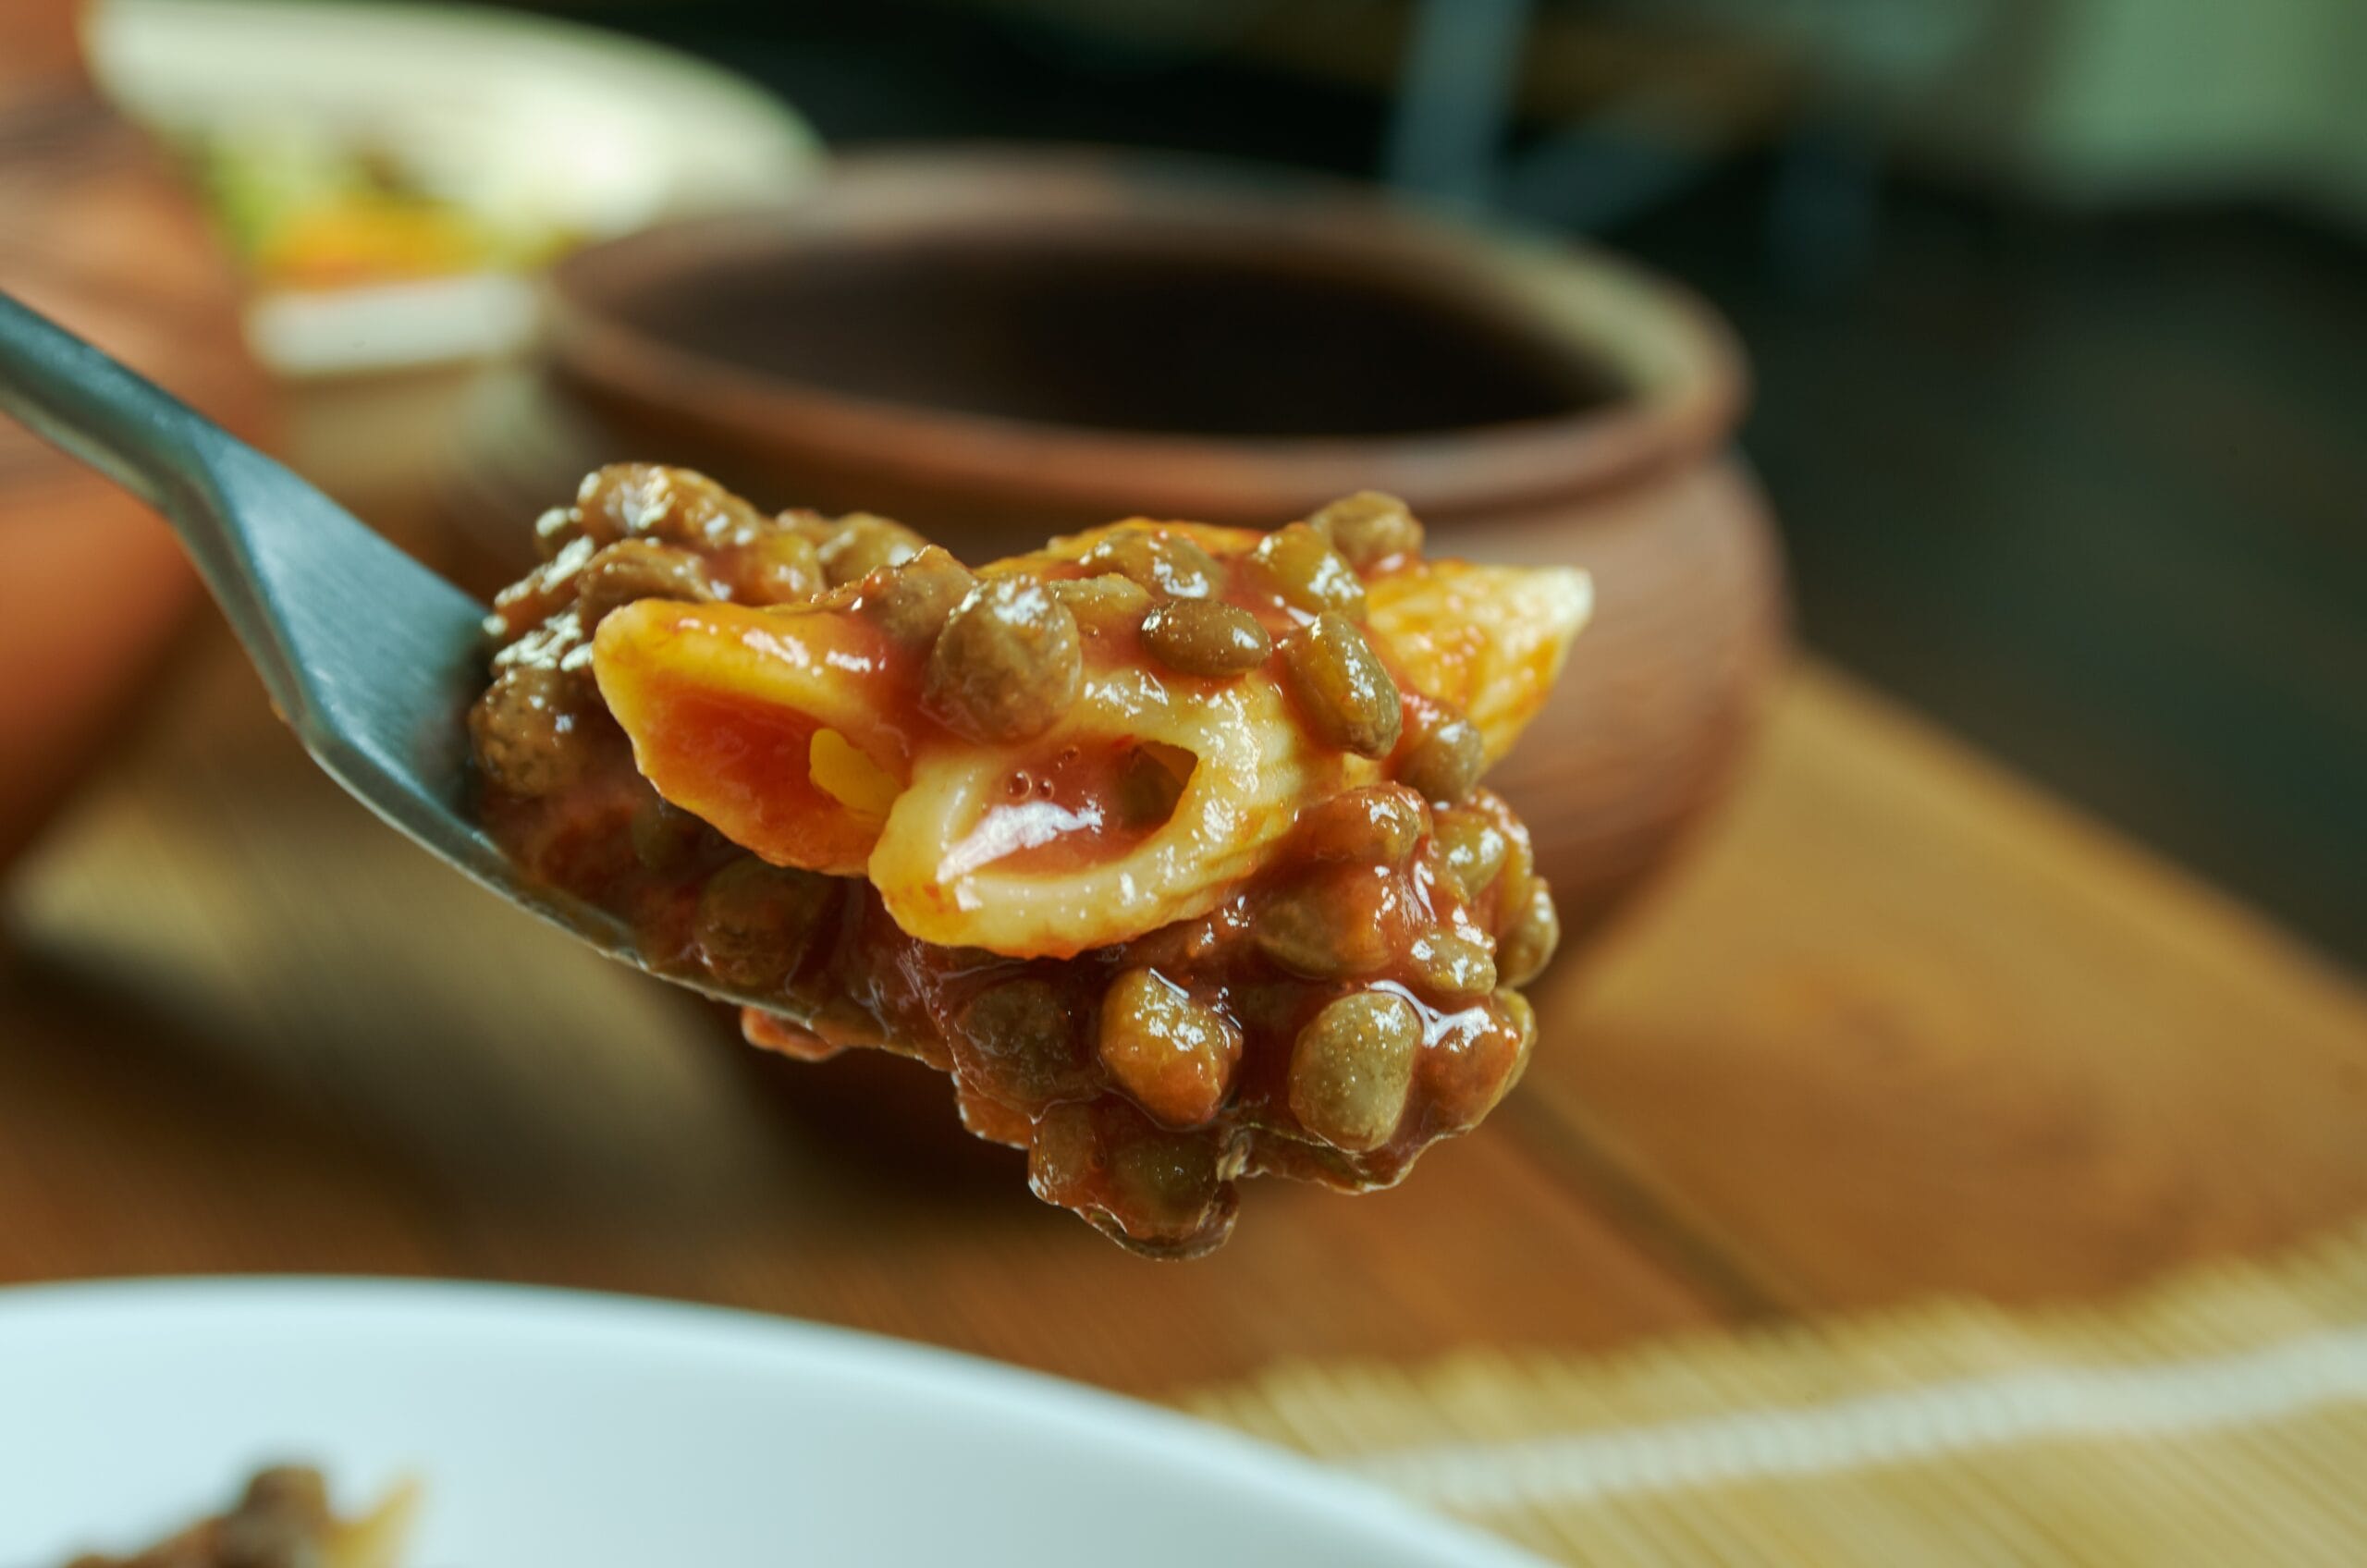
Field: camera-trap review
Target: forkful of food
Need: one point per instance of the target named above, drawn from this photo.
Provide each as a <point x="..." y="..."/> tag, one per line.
<point x="1166" y="841"/>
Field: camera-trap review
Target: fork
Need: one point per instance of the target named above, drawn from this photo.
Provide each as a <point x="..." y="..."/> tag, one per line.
<point x="369" y="656"/>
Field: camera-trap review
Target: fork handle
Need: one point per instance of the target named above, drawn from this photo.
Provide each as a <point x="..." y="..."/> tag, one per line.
<point x="99" y="410"/>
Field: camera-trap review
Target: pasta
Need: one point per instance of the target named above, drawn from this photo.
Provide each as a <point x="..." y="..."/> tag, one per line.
<point x="925" y="815"/>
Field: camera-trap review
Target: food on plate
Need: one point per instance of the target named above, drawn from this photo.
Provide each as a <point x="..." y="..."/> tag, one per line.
<point x="309" y="209"/>
<point x="1167" y="840"/>
<point x="281" y="1520"/>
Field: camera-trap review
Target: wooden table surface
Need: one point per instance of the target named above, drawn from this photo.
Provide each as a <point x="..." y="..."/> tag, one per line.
<point x="1896" y="1026"/>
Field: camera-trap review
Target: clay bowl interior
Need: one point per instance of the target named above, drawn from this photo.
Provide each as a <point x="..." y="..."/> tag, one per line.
<point x="997" y="345"/>
<point x="1079" y="328"/>
<point x="1054" y="339"/>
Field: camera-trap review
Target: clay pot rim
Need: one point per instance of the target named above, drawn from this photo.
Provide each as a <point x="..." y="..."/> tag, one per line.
<point x="1679" y="365"/>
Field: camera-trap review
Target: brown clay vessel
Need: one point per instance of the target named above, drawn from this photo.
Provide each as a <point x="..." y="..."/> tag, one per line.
<point x="995" y="346"/>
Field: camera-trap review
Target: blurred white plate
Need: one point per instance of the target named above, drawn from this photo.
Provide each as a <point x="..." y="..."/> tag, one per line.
<point x="556" y="1429"/>
<point x="556" y="126"/>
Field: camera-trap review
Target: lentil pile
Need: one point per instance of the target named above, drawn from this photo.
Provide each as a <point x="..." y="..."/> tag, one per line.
<point x="1348" y="1004"/>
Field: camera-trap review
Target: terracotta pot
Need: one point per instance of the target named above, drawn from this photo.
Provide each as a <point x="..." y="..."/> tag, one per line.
<point x="994" y="346"/>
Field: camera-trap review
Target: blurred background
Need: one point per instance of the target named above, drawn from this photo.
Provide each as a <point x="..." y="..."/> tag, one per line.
<point x="2008" y="357"/>
<point x="2056" y="310"/>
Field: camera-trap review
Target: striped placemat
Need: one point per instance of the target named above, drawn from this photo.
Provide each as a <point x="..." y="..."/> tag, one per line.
<point x="2220" y="1418"/>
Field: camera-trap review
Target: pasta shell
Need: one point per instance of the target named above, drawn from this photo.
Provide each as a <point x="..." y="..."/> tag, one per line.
<point x="795" y="732"/>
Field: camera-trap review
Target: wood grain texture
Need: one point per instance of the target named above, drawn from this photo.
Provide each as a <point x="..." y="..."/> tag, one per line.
<point x="1895" y="1026"/>
<point x="1905" y="1025"/>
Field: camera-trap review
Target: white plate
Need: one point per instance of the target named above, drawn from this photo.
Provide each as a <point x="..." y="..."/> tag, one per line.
<point x="586" y="132"/>
<point x="579" y="1431"/>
